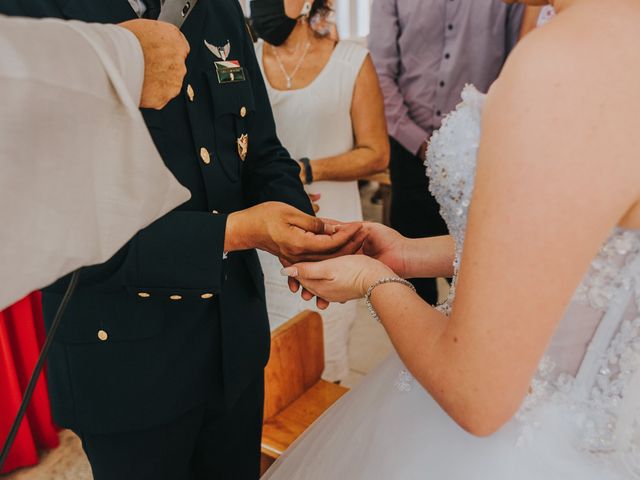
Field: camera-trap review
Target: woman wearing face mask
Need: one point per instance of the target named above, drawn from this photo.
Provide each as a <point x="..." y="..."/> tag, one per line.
<point x="539" y="183"/>
<point x="330" y="116"/>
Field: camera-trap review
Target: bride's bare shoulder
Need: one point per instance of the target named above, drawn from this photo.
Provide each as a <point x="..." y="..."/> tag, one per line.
<point x="580" y="75"/>
<point x="591" y="40"/>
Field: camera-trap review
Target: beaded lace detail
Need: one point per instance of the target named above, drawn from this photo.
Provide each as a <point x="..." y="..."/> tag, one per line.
<point x="601" y="402"/>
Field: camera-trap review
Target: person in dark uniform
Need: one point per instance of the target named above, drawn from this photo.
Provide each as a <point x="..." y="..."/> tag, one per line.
<point x="158" y="364"/>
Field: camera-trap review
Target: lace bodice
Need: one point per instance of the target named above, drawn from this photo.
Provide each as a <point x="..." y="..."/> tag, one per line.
<point x="590" y="369"/>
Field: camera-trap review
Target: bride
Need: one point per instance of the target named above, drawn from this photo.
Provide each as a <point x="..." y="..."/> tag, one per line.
<point x="539" y="378"/>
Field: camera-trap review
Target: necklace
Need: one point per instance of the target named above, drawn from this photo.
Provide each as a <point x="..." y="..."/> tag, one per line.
<point x="289" y="77"/>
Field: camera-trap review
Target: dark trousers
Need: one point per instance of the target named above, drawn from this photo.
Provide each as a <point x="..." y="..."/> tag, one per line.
<point x="208" y="442"/>
<point x="414" y="211"/>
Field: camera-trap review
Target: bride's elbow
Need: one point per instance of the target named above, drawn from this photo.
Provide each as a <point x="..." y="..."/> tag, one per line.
<point x="483" y="420"/>
<point x="479" y="426"/>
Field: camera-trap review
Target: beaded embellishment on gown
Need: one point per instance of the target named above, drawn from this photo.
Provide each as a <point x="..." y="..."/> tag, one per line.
<point x="581" y="419"/>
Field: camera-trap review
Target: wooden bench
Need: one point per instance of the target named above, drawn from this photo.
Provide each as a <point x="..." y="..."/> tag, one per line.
<point x="295" y="396"/>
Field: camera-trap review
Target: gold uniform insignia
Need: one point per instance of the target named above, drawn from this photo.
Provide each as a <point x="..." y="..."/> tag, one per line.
<point x="243" y="146"/>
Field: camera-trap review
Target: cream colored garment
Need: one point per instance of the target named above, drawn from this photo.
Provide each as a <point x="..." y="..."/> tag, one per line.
<point x="79" y="174"/>
<point x="315" y="122"/>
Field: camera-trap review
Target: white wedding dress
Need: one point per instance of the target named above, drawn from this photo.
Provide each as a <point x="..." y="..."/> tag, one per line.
<point x="581" y="420"/>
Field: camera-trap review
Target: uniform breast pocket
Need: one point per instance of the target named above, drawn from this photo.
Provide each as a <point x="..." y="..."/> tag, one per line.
<point x="233" y="111"/>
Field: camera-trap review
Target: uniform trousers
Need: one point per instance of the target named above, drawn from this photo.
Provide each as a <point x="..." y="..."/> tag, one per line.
<point x="415" y="213"/>
<point x="209" y="442"/>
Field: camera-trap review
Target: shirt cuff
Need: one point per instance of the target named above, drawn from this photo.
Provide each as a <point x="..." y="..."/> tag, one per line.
<point x="410" y="136"/>
<point x="129" y="59"/>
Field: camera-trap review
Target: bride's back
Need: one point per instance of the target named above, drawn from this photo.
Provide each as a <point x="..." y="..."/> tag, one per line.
<point x="583" y="71"/>
<point x="596" y="41"/>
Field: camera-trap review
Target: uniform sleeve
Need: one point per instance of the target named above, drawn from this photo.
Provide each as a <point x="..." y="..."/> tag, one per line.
<point x="270" y="173"/>
<point x="383" y="45"/>
<point x="181" y="252"/>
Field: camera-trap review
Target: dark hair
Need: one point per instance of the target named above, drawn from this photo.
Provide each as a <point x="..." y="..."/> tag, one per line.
<point x="320" y="7"/>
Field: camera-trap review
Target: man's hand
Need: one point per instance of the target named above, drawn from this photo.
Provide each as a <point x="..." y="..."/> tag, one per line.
<point x="290" y="234"/>
<point x="422" y="151"/>
<point x="314" y="197"/>
<point x="385" y="244"/>
<point x="165" y="50"/>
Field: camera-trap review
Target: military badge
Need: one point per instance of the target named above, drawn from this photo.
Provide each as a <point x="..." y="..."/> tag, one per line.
<point x="227" y="71"/>
<point x="220" y="52"/>
<point x="243" y="146"/>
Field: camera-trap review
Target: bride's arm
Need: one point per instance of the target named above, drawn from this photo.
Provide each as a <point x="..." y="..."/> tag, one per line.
<point x="552" y="181"/>
<point x="410" y="258"/>
<point x="543" y="204"/>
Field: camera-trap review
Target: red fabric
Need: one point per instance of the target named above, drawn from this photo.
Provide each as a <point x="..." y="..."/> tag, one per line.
<point x="21" y="337"/>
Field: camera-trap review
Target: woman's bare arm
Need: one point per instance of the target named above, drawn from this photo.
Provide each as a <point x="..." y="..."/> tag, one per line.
<point x="557" y="170"/>
<point x="371" y="152"/>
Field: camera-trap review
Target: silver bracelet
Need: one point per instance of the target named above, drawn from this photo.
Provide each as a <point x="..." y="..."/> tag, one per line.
<point x="382" y="281"/>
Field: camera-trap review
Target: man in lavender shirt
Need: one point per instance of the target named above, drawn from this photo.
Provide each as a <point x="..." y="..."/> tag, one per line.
<point x="425" y="51"/>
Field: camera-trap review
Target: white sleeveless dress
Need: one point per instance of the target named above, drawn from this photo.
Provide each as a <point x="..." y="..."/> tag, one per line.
<point x="580" y="420"/>
<point x="315" y="122"/>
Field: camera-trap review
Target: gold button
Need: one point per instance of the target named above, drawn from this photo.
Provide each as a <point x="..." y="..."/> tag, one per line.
<point x="206" y="296"/>
<point x="102" y="335"/>
<point x="204" y="155"/>
<point x="190" y="93"/>
<point x="176" y="297"/>
<point x="243" y="112"/>
<point x="215" y="212"/>
<point x="144" y="294"/>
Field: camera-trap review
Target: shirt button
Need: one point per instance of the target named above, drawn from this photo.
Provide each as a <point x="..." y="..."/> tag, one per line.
<point x="190" y="93"/>
<point x="175" y="297"/>
<point x="204" y="155"/>
<point x="206" y="296"/>
<point x="102" y="335"/>
<point x="144" y="294"/>
<point x="447" y="56"/>
<point x="442" y="84"/>
<point x="243" y="112"/>
<point x="438" y="113"/>
<point x="450" y="27"/>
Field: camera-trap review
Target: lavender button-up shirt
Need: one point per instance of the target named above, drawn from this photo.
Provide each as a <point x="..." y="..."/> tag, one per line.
<point x="425" y="51"/>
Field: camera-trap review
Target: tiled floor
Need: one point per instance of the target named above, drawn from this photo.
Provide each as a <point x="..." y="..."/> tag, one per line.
<point x="369" y="345"/>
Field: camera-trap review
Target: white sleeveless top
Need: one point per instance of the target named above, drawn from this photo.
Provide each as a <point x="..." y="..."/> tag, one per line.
<point x="315" y="122"/>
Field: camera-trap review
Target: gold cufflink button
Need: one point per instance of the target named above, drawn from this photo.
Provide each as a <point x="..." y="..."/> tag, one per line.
<point x="206" y="296"/>
<point x="176" y="297"/>
<point x="243" y="112"/>
<point x="144" y="294"/>
<point x="102" y="335"/>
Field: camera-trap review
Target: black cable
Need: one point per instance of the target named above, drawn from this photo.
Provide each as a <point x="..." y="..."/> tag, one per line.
<point x="38" y="369"/>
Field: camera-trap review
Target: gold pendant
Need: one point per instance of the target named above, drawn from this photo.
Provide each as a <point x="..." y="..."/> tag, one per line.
<point x="243" y="146"/>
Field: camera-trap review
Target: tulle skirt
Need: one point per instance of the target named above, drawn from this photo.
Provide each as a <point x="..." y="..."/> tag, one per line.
<point x="388" y="428"/>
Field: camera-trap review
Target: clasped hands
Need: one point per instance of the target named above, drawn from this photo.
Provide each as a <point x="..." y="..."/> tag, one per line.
<point x="348" y="277"/>
<point x="333" y="261"/>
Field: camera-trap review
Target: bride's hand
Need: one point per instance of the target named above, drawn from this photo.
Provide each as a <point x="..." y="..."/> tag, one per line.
<point x="386" y="245"/>
<point x="339" y="279"/>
